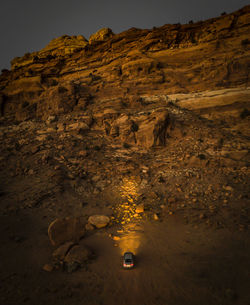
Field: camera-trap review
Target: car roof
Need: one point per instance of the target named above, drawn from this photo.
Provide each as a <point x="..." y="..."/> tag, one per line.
<point x="128" y="255"/>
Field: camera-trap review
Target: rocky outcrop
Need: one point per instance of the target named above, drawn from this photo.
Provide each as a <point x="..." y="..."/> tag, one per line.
<point x="108" y="77"/>
<point x="145" y="129"/>
<point x="102" y="35"/>
<point x="61" y="46"/>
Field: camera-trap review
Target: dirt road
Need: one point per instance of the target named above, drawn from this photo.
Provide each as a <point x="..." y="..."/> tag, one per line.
<point x="177" y="263"/>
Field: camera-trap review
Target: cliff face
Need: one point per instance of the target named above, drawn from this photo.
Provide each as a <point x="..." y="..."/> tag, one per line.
<point x="118" y="70"/>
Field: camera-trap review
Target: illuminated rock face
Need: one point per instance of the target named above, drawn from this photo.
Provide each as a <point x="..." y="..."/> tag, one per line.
<point x="118" y="79"/>
<point x="101" y="35"/>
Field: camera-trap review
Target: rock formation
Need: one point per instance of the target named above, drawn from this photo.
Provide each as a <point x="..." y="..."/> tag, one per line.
<point x="137" y="140"/>
<point x="72" y="73"/>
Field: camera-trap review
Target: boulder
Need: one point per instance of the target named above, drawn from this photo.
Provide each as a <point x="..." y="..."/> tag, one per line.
<point x="152" y="129"/>
<point x="77" y="257"/>
<point x="66" y="229"/>
<point x="142" y="129"/>
<point x="79" y="126"/>
<point x="99" y="221"/>
<point x="60" y="253"/>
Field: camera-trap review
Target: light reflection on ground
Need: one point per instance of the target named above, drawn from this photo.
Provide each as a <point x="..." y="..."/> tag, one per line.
<point x="129" y="189"/>
<point x="130" y="242"/>
<point x="130" y="235"/>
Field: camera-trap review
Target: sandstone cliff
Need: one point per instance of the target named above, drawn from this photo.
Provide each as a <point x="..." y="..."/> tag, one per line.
<point x="117" y="75"/>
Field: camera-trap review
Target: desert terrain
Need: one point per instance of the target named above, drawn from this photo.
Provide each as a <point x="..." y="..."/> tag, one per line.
<point x="137" y="141"/>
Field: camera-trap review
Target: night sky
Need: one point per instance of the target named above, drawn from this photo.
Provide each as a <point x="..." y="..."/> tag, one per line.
<point x="29" y="25"/>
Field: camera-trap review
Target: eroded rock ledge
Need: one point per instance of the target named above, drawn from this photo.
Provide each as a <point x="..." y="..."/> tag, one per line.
<point x="72" y="73"/>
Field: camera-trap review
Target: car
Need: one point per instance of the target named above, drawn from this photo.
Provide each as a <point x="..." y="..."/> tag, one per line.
<point x="128" y="260"/>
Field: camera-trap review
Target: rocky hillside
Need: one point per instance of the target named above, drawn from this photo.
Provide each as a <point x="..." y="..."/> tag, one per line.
<point x="118" y="70"/>
<point x="147" y="131"/>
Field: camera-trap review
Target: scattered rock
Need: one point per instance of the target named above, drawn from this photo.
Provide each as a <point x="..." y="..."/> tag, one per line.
<point x="79" y="126"/>
<point x="42" y="137"/>
<point x="83" y="153"/>
<point x="99" y="221"/>
<point x="139" y="209"/>
<point x="48" y="267"/>
<point x="35" y="149"/>
<point x="155" y="216"/>
<point x="51" y="119"/>
<point x="31" y="172"/>
<point x="202" y="216"/>
<point x="60" y="127"/>
<point x="228" y="188"/>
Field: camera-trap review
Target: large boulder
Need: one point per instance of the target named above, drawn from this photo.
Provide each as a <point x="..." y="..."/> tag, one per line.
<point x="99" y="221"/>
<point x="77" y="257"/>
<point x="152" y="129"/>
<point x="60" y="253"/>
<point x="143" y="129"/>
<point x="66" y="229"/>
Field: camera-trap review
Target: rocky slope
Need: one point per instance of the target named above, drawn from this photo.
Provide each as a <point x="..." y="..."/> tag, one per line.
<point x="72" y="73"/>
<point x="147" y="127"/>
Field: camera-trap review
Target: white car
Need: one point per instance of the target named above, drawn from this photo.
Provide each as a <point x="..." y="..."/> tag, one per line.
<point x="128" y="260"/>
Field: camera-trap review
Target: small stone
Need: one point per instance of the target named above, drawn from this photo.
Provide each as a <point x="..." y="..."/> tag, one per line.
<point x="83" y="153"/>
<point x="202" y="216"/>
<point x="42" y="137"/>
<point x="89" y="227"/>
<point x="60" y="127"/>
<point x="228" y="188"/>
<point x="155" y="216"/>
<point x="139" y="209"/>
<point x="35" y="149"/>
<point x="171" y="200"/>
<point x="78" y="126"/>
<point x="51" y="119"/>
<point x="48" y="267"/>
<point x="31" y="172"/>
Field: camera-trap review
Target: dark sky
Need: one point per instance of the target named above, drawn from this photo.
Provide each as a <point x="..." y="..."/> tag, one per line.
<point x="29" y="25"/>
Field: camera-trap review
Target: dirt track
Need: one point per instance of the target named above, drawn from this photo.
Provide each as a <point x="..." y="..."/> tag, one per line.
<point x="176" y="264"/>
